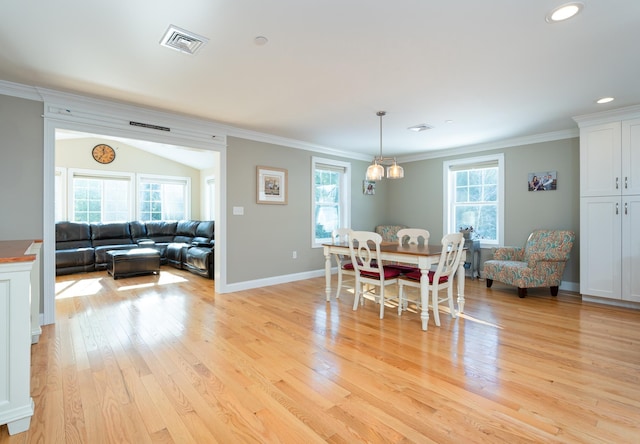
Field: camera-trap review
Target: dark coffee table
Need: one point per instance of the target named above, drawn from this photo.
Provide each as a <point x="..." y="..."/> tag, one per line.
<point x="133" y="262"/>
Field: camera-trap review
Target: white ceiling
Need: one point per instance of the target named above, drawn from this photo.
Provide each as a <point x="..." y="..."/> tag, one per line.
<point x="495" y="68"/>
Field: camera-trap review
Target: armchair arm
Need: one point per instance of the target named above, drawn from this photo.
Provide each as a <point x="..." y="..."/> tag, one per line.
<point x="508" y="254"/>
<point x="549" y="256"/>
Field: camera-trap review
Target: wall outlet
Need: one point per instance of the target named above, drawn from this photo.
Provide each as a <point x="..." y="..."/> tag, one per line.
<point x="294" y="255"/>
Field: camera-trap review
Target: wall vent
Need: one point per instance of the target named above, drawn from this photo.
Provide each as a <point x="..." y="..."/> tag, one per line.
<point x="183" y="40"/>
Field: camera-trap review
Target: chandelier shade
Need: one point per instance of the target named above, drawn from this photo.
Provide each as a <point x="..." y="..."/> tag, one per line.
<point x="376" y="170"/>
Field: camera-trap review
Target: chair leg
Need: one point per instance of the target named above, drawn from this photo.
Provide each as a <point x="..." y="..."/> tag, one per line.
<point x="522" y="292"/>
<point x="450" y="299"/>
<point x="400" y="297"/>
<point x="381" y="301"/>
<point x="434" y="298"/>
<point x="339" y="284"/>
<point x="356" y="295"/>
<point x="554" y="290"/>
<point x="489" y="282"/>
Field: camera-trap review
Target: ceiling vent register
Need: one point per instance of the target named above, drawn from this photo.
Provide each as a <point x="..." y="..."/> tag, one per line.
<point x="183" y="40"/>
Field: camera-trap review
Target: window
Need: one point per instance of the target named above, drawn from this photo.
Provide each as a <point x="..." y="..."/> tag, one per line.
<point x="99" y="196"/>
<point x="163" y="197"/>
<point x="210" y="198"/>
<point x="474" y="197"/>
<point x="59" y="198"/>
<point x="331" y="198"/>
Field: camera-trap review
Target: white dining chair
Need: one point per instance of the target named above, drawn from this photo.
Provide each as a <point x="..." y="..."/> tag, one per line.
<point x="345" y="267"/>
<point x="364" y="247"/>
<point x="440" y="279"/>
<point x="410" y="236"/>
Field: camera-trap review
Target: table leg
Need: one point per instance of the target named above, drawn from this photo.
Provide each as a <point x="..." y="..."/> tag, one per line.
<point x="327" y="273"/>
<point x="461" y="274"/>
<point x="424" y="297"/>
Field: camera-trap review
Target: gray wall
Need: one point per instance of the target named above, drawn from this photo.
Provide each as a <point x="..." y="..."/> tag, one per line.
<point x="418" y="197"/>
<point x="260" y="243"/>
<point x="21" y="170"/>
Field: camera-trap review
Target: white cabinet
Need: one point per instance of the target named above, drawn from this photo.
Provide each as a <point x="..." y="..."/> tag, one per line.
<point x="16" y="405"/>
<point x="610" y="208"/>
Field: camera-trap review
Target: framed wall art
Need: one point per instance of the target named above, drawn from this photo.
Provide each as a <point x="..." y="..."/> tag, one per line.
<point x="368" y="187"/>
<point x="272" y="185"/>
<point x="543" y="181"/>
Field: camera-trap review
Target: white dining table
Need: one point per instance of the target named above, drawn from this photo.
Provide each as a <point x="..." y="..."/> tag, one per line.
<point x="424" y="256"/>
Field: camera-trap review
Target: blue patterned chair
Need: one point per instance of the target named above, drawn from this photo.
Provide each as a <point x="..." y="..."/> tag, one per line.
<point x="539" y="264"/>
<point x="389" y="233"/>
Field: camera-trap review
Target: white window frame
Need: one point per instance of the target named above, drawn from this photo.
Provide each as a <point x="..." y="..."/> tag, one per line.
<point x="449" y="190"/>
<point x="345" y="195"/>
<point x="210" y="195"/>
<point x="61" y="194"/>
<point x="163" y="179"/>
<point x="95" y="174"/>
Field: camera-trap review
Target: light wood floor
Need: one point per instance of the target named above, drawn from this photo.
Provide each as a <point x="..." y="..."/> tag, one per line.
<point x="163" y="359"/>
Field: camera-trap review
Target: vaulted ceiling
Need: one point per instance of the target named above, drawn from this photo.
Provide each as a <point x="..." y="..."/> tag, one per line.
<point x="496" y="69"/>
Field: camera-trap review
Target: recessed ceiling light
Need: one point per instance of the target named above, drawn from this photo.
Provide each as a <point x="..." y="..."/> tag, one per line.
<point x="448" y="122"/>
<point x="418" y="128"/>
<point x="605" y="100"/>
<point x="564" y="12"/>
<point x="260" y="40"/>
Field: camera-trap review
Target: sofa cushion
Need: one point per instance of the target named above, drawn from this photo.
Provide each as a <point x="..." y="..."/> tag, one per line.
<point x="71" y="235"/>
<point x="110" y="233"/>
<point x="138" y="230"/>
<point x="186" y="231"/>
<point x="205" y="233"/>
<point x="161" y="231"/>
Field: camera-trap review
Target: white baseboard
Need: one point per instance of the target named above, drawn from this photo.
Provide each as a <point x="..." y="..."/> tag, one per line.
<point x="248" y="285"/>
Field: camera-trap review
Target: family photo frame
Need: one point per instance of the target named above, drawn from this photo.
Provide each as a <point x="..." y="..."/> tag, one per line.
<point x="543" y="181"/>
<point x="272" y="185"/>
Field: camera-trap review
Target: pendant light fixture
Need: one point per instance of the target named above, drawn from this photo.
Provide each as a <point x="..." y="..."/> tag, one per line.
<point x="375" y="171"/>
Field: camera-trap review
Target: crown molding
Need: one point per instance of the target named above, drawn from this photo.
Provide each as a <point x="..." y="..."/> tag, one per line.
<point x="501" y="144"/>
<point x="628" y="112"/>
<point x="18" y="90"/>
<point x="67" y="106"/>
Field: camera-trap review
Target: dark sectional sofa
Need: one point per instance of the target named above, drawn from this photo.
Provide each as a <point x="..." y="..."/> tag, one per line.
<point x="187" y="244"/>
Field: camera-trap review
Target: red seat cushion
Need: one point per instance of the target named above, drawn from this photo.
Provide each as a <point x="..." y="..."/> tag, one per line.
<point x="416" y="277"/>
<point x="389" y="273"/>
<point x="349" y="266"/>
<point x="404" y="269"/>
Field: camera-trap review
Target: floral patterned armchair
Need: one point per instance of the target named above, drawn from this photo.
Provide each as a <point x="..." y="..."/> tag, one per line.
<point x="539" y="264"/>
<point x="389" y="233"/>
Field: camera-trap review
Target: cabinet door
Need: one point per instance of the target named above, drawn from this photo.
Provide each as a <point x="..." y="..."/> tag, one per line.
<point x="630" y="176"/>
<point x="600" y="247"/>
<point x="600" y="160"/>
<point x="631" y="248"/>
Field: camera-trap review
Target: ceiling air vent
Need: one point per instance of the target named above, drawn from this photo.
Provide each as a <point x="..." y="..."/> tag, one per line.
<point x="183" y="40"/>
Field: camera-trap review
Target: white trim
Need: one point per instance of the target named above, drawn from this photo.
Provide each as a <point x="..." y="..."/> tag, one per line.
<point x="446" y="213"/>
<point x="275" y="280"/>
<point x="18" y="90"/>
<point x="613" y="115"/>
<point x="501" y="144"/>
<point x="102" y="117"/>
<point x="345" y="188"/>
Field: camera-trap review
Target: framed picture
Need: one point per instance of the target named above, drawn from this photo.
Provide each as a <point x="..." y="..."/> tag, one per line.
<point x="543" y="181"/>
<point x="272" y="185"/>
<point x="368" y="187"/>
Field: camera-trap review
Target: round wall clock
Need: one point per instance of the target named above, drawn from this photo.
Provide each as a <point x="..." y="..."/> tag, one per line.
<point x="103" y="153"/>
